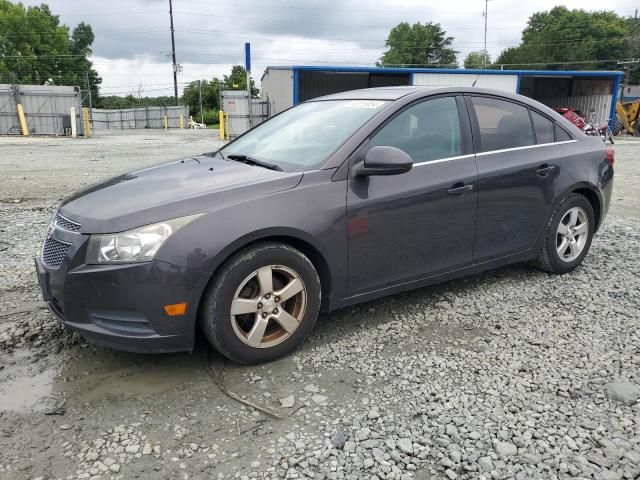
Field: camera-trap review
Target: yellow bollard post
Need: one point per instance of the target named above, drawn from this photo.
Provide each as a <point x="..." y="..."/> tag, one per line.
<point x="181" y="124"/>
<point x="221" y="120"/>
<point x="23" y="121"/>
<point x="166" y="122"/>
<point x="87" y="122"/>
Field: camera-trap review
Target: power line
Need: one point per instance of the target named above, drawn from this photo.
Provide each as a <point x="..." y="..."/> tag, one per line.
<point x="417" y="65"/>
<point x="288" y="51"/>
<point x="69" y="33"/>
<point x="358" y="10"/>
<point x="101" y="14"/>
<point x="294" y="22"/>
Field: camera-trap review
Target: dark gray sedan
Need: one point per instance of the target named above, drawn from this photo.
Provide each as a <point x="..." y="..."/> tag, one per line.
<point x="336" y="201"/>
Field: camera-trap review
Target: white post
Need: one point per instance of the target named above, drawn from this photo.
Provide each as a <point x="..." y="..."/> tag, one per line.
<point x="72" y="111"/>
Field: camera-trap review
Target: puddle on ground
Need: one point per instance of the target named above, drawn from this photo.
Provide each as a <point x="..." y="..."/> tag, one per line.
<point x="99" y="374"/>
<point x="86" y="375"/>
<point x="27" y="392"/>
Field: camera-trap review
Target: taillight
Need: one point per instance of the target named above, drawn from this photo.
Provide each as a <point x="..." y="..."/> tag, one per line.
<point x="610" y="155"/>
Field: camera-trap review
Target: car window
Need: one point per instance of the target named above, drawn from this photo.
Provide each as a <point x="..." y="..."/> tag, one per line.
<point x="561" y="134"/>
<point x="302" y="138"/>
<point x="427" y="131"/>
<point x="544" y="128"/>
<point x="502" y="124"/>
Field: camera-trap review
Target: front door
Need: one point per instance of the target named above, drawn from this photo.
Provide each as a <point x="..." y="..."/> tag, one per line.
<point x="518" y="170"/>
<point x="406" y="227"/>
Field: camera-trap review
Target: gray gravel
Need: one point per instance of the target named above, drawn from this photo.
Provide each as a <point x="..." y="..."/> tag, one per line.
<point x="511" y="374"/>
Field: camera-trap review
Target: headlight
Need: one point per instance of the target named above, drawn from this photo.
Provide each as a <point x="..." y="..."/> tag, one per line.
<point x="137" y="245"/>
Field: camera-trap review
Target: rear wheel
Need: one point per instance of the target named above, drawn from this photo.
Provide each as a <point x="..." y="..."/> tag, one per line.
<point x="568" y="235"/>
<point x="262" y="303"/>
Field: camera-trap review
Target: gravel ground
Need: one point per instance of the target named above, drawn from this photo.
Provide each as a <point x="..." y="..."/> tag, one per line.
<point x="510" y="374"/>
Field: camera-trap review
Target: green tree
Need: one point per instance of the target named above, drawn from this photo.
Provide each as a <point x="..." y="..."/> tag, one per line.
<point x="210" y="96"/>
<point x="82" y="72"/>
<point x="477" y="59"/>
<point x="419" y="45"/>
<point x="35" y="48"/>
<point x="237" y="80"/>
<point x="633" y="24"/>
<point x="569" y="39"/>
<point x="130" y="100"/>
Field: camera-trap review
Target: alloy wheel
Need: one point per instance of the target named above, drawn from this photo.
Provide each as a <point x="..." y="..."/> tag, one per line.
<point x="268" y="306"/>
<point x="572" y="234"/>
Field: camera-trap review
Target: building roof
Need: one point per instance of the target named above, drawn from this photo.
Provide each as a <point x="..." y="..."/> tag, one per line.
<point x="470" y="71"/>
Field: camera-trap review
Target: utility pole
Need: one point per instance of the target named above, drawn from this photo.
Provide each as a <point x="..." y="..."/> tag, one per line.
<point x="173" y="54"/>
<point x="485" y="14"/>
<point x="632" y="47"/>
<point x="88" y="90"/>
<point x="628" y="63"/>
<point x="200" y="91"/>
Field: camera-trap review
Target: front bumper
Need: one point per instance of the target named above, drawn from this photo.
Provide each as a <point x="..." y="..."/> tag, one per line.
<point x="122" y="306"/>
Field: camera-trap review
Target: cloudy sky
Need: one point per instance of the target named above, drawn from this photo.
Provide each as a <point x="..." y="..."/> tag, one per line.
<point x="133" y="41"/>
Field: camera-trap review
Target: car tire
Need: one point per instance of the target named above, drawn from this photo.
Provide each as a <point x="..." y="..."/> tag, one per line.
<point x="564" y="247"/>
<point x="617" y="125"/>
<point x="242" y="315"/>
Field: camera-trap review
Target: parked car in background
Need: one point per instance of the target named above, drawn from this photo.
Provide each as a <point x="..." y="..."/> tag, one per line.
<point x="339" y="200"/>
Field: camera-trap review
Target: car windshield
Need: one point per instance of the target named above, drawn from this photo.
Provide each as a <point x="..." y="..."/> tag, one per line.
<point x="303" y="137"/>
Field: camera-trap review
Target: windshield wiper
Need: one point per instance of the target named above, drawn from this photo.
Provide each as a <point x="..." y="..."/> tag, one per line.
<point x="253" y="161"/>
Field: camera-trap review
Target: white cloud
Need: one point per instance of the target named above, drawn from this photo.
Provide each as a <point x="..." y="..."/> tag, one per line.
<point x="132" y="36"/>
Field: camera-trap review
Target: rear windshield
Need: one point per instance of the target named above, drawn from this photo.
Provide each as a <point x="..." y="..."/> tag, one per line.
<point x="303" y="137"/>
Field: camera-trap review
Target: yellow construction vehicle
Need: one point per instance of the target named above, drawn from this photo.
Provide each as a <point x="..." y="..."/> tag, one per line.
<point x="627" y="118"/>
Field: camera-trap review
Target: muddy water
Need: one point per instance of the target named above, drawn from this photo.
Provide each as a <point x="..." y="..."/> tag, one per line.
<point x="86" y="375"/>
<point x="104" y="374"/>
<point x="27" y="392"/>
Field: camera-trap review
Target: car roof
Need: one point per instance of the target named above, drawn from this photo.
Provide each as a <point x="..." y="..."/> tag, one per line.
<point x="395" y="93"/>
<point x="378" y="93"/>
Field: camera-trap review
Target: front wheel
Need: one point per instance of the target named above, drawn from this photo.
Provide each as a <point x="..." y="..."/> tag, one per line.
<point x="568" y="235"/>
<point x="262" y="303"/>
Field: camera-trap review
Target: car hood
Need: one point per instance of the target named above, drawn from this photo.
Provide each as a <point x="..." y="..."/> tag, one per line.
<point x="170" y="190"/>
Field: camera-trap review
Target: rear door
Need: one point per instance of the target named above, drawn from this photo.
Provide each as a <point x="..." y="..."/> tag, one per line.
<point x="518" y="168"/>
<point x="409" y="226"/>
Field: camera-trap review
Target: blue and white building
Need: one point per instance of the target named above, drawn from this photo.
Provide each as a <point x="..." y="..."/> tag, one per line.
<point x="592" y="92"/>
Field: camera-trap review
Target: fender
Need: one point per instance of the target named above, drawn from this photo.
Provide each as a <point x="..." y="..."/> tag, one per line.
<point x="310" y="217"/>
<point x="299" y="239"/>
<point x="561" y="195"/>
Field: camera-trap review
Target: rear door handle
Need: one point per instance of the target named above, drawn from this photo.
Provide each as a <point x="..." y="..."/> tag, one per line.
<point x="544" y="170"/>
<point x="459" y="189"/>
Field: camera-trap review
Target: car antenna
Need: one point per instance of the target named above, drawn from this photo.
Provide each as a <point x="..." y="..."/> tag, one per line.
<point x="475" y="81"/>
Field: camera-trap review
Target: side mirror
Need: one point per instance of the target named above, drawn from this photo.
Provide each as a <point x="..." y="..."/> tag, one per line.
<point x="384" y="160"/>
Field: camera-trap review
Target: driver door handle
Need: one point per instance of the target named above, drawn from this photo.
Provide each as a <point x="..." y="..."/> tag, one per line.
<point x="459" y="189"/>
<point x="544" y="170"/>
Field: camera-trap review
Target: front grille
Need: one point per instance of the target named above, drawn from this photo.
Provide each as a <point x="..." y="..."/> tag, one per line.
<point x="66" y="224"/>
<point x="53" y="252"/>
